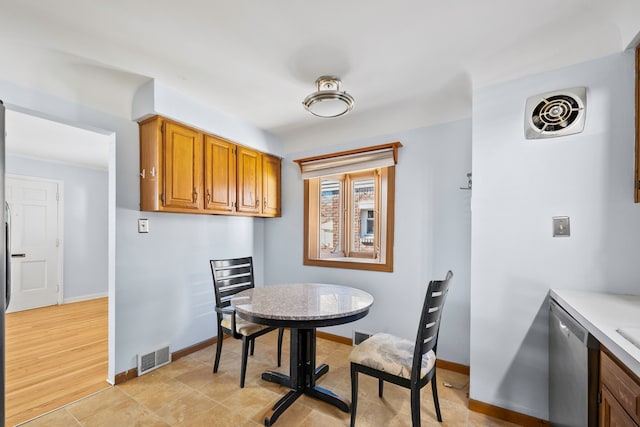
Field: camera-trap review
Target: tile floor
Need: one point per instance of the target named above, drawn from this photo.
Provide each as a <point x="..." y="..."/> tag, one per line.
<point x="187" y="393"/>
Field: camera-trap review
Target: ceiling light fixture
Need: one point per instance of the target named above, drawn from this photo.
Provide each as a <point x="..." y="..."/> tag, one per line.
<point x="328" y="101"/>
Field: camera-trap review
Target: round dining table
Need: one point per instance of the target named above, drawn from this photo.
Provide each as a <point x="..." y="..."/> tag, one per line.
<point x="302" y="307"/>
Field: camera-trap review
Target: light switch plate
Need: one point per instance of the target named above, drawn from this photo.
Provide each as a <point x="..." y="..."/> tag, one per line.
<point x="561" y="226"/>
<point x="143" y="225"/>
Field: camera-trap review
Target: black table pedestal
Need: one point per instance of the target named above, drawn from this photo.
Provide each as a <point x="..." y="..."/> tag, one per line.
<point x="303" y="375"/>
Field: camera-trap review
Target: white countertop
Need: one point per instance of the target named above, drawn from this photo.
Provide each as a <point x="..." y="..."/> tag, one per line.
<point x="602" y="314"/>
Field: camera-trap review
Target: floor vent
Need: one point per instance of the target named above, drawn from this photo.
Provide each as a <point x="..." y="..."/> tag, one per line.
<point x="359" y="336"/>
<point x="150" y="361"/>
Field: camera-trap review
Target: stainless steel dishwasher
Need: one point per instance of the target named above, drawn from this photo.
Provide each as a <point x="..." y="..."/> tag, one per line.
<point x="573" y="371"/>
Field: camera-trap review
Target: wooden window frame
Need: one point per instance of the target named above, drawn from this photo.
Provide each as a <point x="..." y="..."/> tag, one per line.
<point x="385" y="228"/>
<point x="349" y="220"/>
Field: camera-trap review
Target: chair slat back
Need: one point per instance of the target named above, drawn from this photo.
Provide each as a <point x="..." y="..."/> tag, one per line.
<point x="231" y="276"/>
<point x="427" y="337"/>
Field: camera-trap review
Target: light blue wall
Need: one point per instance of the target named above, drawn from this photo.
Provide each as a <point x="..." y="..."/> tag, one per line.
<point x="85" y="209"/>
<point x="432" y="235"/>
<point x="156" y="97"/>
<point x="162" y="292"/>
<point x="519" y="185"/>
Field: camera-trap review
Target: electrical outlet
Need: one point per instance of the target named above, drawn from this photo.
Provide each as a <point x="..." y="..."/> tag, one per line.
<point x="143" y="225"/>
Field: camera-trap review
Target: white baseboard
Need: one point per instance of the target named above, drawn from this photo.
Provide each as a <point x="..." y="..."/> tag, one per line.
<point x="85" y="298"/>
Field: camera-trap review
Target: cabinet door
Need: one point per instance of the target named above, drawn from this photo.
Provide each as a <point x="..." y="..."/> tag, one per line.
<point x="182" y="149"/>
<point x="249" y="180"/>
<point x="150" y="164"/>
<point x="612" y="414"/>
<point x="270" y="185"/>
<point x="621" y="384"/>
<point x="220" y="175"/>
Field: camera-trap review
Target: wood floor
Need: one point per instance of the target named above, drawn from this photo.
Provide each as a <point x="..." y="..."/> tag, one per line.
<point x="54" y="356"/>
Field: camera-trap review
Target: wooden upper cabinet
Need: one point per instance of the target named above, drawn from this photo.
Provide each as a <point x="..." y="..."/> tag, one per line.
<point x="150" y="165"/>
<point x="185" y="170"/>
<point x="170" y="166"/>
<point x="182" y="149"/>
<point x="271" y="184"/>
<point x="249" y="181"/>
<point x="220" y="174"/>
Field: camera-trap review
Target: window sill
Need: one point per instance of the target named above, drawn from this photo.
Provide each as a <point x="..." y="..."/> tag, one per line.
<point x="351" y="263"/>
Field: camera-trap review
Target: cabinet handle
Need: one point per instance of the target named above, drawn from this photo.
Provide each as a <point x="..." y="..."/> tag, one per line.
<point x="153" y="171"/>
<point x="195" y="194"/>
<point x="142" y="174"/>
<point x="208" y="196"/>
<point x="257" y="202"/>
<point x="265" y="203"/>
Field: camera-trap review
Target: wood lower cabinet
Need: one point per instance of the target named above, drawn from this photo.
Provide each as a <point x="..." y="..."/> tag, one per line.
<point x="619" y="394"/>
<point x="611" y="412"/>
<point x="185" y="170"/>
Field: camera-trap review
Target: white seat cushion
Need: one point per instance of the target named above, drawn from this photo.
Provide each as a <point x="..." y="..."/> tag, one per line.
<point x="391" y="354"/>
<point x="243" y="327"/>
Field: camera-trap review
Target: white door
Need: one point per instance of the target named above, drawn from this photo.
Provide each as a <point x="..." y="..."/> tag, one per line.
<point x="34" y="242"/>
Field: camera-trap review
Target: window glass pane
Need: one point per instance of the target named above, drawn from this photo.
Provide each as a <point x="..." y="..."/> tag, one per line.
<point x="363" y="204"/>
<point x="330" y="218"/>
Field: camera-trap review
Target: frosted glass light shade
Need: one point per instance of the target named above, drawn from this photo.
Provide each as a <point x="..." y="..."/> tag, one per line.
<point x="328" y="101"/>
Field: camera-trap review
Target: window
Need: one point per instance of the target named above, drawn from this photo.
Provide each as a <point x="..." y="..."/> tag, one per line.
<point x="349" y="208"/>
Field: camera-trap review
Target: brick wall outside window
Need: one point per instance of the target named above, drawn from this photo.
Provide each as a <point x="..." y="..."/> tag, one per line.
<point x="330" y="220"/>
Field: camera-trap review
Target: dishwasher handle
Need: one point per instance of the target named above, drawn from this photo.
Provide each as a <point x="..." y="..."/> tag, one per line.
<point x="567" y="322"/>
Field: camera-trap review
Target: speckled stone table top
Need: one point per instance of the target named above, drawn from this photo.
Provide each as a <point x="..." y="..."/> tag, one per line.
<point x="302" y="302"/>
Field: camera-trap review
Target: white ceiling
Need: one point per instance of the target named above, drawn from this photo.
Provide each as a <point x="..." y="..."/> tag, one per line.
<point x="407" y="63"/>
<point x="38" y="138"/>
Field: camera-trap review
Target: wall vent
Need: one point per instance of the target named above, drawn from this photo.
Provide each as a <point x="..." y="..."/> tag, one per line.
<point x="150" y="361"/>
<point x="359" y="336"/>
<point x="554" y="114"/>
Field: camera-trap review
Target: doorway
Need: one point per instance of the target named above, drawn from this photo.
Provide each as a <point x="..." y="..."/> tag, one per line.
<point x="54" y="151"/>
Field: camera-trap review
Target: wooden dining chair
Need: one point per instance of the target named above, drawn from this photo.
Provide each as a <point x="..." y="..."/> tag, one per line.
<point x="403" y="362"/>
<point x="231" y="276"/>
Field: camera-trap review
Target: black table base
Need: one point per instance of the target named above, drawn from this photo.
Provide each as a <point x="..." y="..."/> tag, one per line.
<point x="303" y="376"/>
